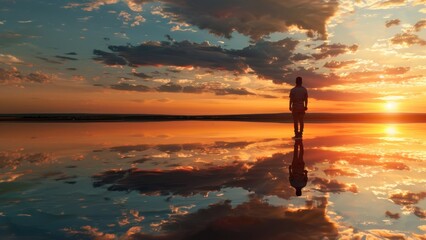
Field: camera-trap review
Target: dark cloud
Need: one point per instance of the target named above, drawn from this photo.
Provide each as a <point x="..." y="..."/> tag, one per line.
<point x="140" y="75"/>
<point x="335" y="172"/>
<point x="420" y="25"/>
<point x="193" y="89"/>
<point x="71" y="53"/>
<point x="267" y="176"/>
<point x="311" y="78"/>
<point x="393" y="22"/>
<point x="72" y="69"/>
<point x="407" y="198"/>
<point x="419" y="212"/>
<point x="392" y="215"/>
<point x="169" y="87"/>
<point x="407" y="39"/>
<point x="37" y="77"/>
<point x="108" y="58"/>
<point x="182" y="54"/>
<point x="49" y="60"/>
<point x="204" y="88"/>
<point x="338" y="64"/>
<point x="232" y="91"/>
<point x="66" y="58"/>
<point x="331" y="50"/>
<point x="268" y="96"/>
<point x="130" y="87"/>
<point x="252" y="18"/>
<point x="268" y="60"/>
<point x="327" y="185"/>
<point x="300" y="57"/>
<point x="255" y="219"/>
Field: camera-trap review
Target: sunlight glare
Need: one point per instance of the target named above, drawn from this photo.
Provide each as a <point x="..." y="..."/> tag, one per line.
<point x="390" y="130"/>
<point x="390" y="106"/>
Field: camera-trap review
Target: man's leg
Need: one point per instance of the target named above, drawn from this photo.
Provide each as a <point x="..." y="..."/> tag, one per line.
<point x="295" y="121"/>
<point x="302" y="123"/>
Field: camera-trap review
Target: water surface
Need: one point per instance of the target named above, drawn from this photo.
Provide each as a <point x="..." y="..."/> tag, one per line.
<point x="210" y="180"/>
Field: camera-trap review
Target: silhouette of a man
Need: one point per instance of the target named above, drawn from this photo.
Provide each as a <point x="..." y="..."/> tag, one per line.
<point x="298" y="105"/>
<point x="298" y="176"/>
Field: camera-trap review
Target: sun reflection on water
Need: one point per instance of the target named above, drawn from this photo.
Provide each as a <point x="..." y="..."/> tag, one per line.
<point x="391" y="130"/>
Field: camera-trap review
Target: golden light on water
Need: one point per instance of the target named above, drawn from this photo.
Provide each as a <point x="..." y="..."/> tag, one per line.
<point x="391" y="130"/>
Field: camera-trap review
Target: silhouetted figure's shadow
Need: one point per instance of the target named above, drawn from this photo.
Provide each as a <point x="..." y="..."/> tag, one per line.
<point x="298" y="176"/>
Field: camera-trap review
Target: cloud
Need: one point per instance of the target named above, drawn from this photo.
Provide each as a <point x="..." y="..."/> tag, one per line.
<point x="37" y="77"/>
<point x="388" y="4"/>
<point x="266" y="176"/>
<point x="252" y="18"/>
<point x="334" y="172"/>
<point x="332" y="95"/>
<point x="171" y="148"/>
<point x="396" y="70"/>
<point x="14" y="159"/>
<point x="419" y="2"/>
<point x="15" y="77"/>
<point x="169" y="87"/>
<point x="332" y="50"/>
<point x="268" y="60"/>
<point x="255" y="219"/>
<point x="49" y="60"/>
<point x="9" y="59"/>
<point x="176" y="88"/>
<point x="182" y="54"/>
<point x="419" y="212"/>
<point x="338" y="64"/>
<point x="233" y="91"/>
<point x="387" y="234"/>
<point x="203" y="88"/>
<point x="420" y="25"/>
<point x="407" y="198"/>
<point x="407" y="39"/>
<point x="66" y="58"/>
<point x="130" y="87"/>
<point x="392" y="215"/>
<point x="140" y="75"/>
<point x="333" y="186"/>
<point x="388" y="74"/>
<point x="393" y="22"/>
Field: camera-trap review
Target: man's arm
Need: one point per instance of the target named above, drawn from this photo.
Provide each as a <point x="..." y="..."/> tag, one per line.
<point x="290" y="102"/>
<point x="306" y="101"/>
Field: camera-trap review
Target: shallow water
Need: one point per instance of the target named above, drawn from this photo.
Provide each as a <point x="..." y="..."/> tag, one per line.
<point x="210" y="180"/>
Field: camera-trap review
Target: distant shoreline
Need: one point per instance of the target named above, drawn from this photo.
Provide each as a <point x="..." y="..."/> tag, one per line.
<point x="271" y="117"/>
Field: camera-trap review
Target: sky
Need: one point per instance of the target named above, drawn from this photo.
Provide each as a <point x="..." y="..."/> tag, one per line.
<point x="211" y="56"/>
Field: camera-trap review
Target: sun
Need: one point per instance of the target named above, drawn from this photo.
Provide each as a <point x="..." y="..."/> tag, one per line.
<point x="391" y="106"/>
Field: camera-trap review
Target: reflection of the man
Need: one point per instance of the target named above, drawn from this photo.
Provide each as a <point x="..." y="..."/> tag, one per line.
<point x="298" y="176"/>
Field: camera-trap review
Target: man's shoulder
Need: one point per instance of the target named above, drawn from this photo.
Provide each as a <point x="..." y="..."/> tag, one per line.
<point x="298" y="88"/>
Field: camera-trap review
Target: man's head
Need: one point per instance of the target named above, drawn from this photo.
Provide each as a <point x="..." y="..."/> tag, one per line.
<point x="298" y="81"/>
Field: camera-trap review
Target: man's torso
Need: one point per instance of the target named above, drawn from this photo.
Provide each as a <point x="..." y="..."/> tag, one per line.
<point x="298" y="96"/>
